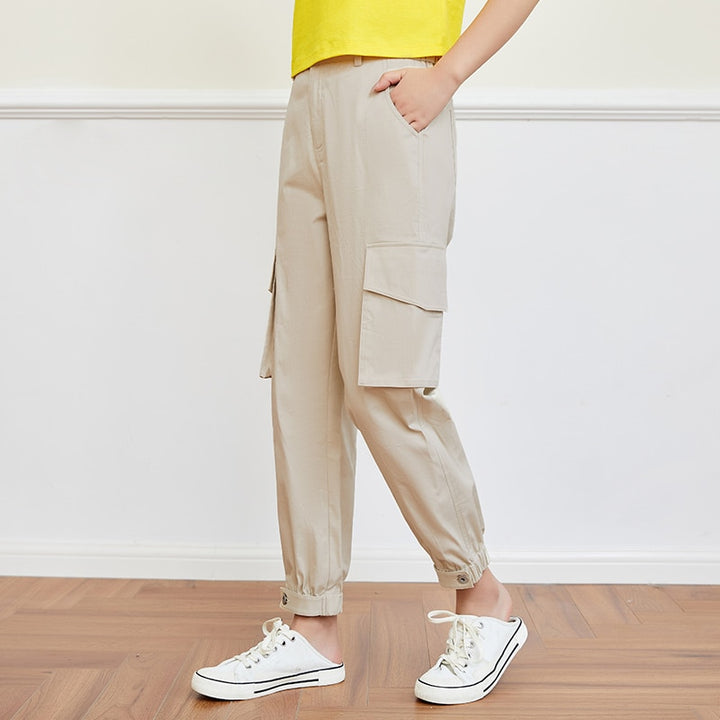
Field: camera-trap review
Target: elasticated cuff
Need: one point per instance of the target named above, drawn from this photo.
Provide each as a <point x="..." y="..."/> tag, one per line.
<point x="312" y="605"/>
<point x="464" y="577"/>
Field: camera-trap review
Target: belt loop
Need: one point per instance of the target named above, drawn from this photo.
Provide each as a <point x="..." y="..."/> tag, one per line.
<point x="357" y="61"/>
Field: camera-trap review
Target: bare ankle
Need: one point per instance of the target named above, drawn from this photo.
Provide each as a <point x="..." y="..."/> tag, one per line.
<point x="488" y="597"/>
<point x="322" y="633"/>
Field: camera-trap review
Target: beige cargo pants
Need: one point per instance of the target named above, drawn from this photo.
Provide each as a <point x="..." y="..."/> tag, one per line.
<point x="365" y="213"/>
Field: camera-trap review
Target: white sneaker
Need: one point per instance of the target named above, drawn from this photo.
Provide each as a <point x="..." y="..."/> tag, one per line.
<point x="283" y="660"/>
<point x="478" y="651"/>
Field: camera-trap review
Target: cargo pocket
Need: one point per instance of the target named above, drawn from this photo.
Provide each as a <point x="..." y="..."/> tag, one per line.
<point x="404" y="298"/>
<point x="268" y="357"/>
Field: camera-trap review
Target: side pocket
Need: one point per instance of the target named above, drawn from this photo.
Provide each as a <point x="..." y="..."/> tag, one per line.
<point x="268" y="357"/>
<point x="404" y="298"/>
<point x="398" y="116"/>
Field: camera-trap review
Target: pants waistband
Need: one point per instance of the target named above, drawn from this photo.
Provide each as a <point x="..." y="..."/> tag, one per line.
<point x="358" y="60"/>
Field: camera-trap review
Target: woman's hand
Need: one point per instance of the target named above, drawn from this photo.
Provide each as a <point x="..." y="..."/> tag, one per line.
<point x="419" y="94"/>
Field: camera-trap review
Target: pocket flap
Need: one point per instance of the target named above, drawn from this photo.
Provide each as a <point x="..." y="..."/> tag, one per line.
<point x="414" y="274"/>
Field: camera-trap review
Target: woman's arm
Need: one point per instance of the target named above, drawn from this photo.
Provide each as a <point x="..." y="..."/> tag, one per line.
<point x="421" y="93"/>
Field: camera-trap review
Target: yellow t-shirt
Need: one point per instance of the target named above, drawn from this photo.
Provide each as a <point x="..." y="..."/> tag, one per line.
<point x="383" y="28"/>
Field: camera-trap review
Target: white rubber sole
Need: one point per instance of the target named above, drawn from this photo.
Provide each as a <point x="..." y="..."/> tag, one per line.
<point x="470" y="693"/>
<point x="223" y="690"/>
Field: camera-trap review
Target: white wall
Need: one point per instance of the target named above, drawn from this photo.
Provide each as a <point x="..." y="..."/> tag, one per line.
<point x="244" y="44"/>
<point x="136" y="232"/>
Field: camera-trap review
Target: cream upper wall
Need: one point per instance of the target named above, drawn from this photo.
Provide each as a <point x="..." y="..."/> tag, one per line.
<point x="245" y="44"/>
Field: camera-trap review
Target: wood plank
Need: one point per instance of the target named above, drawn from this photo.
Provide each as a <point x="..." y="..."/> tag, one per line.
<point x="695" y="598"/>
<point x="704" y="712"/>
<point x="187" y="615"/>
<point x="554" y="613"/>
<point x="139" y="686"/>
<point x="224" y="609"/>
<point x="435" y="597"/>
<point x="671" y="678"/>
<point x="181" y="702"/>
<point x="6" y="610"/>
<point x="357" y="597"/>
<point x="594" y="706"/>
<point x="235" y="594"/>
<point x="42" y="593"/>
<point x="38" y="644"/>
<point x="534" y="642"/>
<point x="17" y="685"/>
<point x="600" y="605"/>
<point x="685" y="634"/>
<point x="98" y="589"/>
<point x="6" y="581"/>
<point x="42" y="657"/>
<point x="30" y="622"/>
<point x="642" y="598"/>
<point x="598" y="702"/>
<point x="15" y="588"/>
<point x="699" y="624"/>
<point x="398" y="644"/>
<point x="66" y="695"/>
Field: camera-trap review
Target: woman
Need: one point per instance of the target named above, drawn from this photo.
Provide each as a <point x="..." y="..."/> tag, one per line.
<point x="365" y="213"/>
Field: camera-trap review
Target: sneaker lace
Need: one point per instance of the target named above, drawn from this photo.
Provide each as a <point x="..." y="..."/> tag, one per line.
<point x="276" y="633"/>
<point x="465" y="636"/>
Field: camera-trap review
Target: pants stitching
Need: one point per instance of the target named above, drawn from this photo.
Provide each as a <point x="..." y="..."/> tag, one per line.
<point x="438" y="460"/>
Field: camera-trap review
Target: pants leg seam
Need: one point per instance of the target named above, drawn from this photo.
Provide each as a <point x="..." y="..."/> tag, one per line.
<point x="333" y="351"/>
<point x="438" y="460"/>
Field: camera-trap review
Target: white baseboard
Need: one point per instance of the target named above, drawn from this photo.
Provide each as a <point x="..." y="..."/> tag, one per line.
<point x="369" y="564"/>
<point x="471" y="104"/>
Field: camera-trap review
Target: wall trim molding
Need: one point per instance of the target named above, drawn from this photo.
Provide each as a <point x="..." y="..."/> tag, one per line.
<point x="470" y="104"/>
<point x="369" y="564"/>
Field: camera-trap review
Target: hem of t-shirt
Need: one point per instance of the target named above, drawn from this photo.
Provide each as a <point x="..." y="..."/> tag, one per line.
<point x="303" y="61"/>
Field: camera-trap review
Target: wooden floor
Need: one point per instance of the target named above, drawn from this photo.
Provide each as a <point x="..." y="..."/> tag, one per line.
<point x="126" y="649"/>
